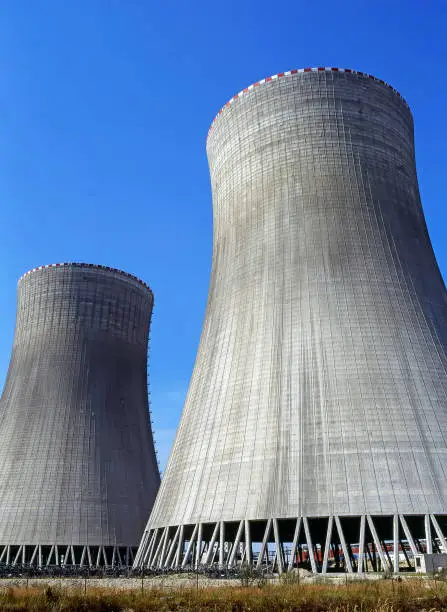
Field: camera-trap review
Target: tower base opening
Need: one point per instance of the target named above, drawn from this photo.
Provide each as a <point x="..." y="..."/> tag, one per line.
<point x="349" y="544"/>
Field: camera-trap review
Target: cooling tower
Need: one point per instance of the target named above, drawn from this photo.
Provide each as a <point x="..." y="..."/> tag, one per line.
<point x="315" y="427"/>
<point x="78" y="471"/>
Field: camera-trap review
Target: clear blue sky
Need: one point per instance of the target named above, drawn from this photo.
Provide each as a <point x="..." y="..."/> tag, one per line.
<point x="105" y="106"/>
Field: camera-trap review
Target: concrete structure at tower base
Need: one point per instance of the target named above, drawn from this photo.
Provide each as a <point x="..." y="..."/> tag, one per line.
<point x="352" y="544"/>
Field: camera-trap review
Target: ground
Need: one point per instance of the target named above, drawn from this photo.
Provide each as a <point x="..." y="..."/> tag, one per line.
<point x="185" y="592"/>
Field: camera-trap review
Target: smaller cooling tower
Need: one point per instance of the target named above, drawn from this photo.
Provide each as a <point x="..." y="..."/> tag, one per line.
<point x="78" y="471"/>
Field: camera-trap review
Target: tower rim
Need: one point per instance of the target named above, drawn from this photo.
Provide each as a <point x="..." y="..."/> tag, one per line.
<point x="97" y="267"/>
<point x="294" y="71"/>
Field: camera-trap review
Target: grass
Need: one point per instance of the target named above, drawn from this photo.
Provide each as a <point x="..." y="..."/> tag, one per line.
<point x="381" y="595"/>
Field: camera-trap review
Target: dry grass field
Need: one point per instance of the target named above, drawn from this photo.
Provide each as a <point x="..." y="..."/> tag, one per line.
<point x="382" y="595"/>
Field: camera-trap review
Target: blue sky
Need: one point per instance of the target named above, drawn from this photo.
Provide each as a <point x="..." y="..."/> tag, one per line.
<point x="105" y="106"/>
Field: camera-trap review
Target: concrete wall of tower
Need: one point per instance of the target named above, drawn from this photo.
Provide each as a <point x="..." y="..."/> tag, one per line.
<point x="320" y="382"/>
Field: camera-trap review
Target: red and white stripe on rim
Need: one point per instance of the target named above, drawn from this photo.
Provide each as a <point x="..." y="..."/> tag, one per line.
<point x="274" y="77"/>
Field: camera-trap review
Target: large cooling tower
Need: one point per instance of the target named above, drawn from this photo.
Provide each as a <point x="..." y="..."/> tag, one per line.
<point x="78" y="471"/>
<point x="316" y="418"/>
